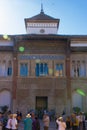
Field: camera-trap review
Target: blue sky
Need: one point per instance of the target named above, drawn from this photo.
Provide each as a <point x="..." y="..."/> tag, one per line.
<point x="72" y="15"/>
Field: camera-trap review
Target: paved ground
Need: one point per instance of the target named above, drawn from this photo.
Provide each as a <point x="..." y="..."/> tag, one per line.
<point x="52" y="126"/>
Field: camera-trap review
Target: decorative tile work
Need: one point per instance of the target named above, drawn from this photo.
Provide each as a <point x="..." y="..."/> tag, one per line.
<point x="42" y="57"/>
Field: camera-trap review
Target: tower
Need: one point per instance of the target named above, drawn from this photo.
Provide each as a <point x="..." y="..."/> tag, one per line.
<point x="41" y="24"/>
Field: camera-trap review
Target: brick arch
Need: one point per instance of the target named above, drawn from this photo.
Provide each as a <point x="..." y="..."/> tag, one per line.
<point x="5" y="98"/>
<point x="5" y="89"/>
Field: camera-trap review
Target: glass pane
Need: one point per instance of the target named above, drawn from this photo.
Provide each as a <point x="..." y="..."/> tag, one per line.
<point x="83" y="69"/>
<point x="23" y="70"/>
<point x="45" y="69"/>
<point x="61" y="69"/>
<point x="41" y="69"/>
<point x="9" y="71"/>
<point x="3" y="69"/>
<point x="37" y="69"/>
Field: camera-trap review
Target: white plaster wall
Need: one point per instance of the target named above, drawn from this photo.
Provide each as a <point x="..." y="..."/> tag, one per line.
<point x="6" y="43"/>
<point x="37" y="30"/>
<point x="76" y="100"/>
<point x="5" y="98"/>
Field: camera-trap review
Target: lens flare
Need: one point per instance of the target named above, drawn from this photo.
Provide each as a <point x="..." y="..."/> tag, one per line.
<point x="50" y="71"/>
<point x="21" y="48"/>
<point x="5" y="36"/>
<point x="81" y="92"/>
<point x="37" y="60"/>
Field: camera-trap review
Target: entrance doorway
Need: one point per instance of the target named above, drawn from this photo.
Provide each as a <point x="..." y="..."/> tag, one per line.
<point x="41" y="105"/>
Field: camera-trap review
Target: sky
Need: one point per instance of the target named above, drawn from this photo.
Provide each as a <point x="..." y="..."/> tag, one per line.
<point x="72" y="15"/>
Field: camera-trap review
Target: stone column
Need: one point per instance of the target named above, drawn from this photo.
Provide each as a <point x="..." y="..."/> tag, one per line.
<point x="68" y="84"/>
<point x="15" y="73"/>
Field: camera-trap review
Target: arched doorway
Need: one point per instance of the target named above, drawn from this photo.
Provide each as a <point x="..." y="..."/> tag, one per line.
<point x="5" y="98"/>
<point x="77" y="100"/>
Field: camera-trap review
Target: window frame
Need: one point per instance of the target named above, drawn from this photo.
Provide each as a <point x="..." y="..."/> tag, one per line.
<point x="59" y="62"/>
<point x="43" y="73"/>
<point x="23" y="62"/>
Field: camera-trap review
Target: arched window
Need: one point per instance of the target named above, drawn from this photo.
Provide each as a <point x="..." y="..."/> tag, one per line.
<point x="9" y="69"/>
<point x="3" y="71"/>
<point x="78" y="69"/>
<point x="83" y="69"/>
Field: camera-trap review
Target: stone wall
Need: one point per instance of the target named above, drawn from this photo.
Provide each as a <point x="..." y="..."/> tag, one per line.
<point x="53" y="88"/>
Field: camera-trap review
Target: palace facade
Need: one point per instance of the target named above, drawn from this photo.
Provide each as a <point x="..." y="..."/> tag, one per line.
<point x="42" y="69"/>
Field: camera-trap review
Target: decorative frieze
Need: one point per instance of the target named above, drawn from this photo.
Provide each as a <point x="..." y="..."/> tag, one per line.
<point x="42" y="57"/>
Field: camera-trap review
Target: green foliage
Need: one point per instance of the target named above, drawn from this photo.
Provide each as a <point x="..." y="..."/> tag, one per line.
<point x="4" y="109"/>
<point x="76" y="109"/>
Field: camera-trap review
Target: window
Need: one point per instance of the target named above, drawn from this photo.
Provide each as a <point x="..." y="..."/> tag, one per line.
<point x="5" y="68"/>
<point x="73" y="69"/>
<point x="9" y="69"/>
<point x="59" y="70"/>
<point x="78" y="69"/>
<point x="3" y="71"/>
<point x="41" y="69"/>
<point x="23" y="69"/>
<point x="83" y="69"/>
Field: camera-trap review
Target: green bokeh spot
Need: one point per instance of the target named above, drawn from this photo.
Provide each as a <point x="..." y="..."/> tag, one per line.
<point x="79" y="91"/>
<point x="21" y="48"/>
